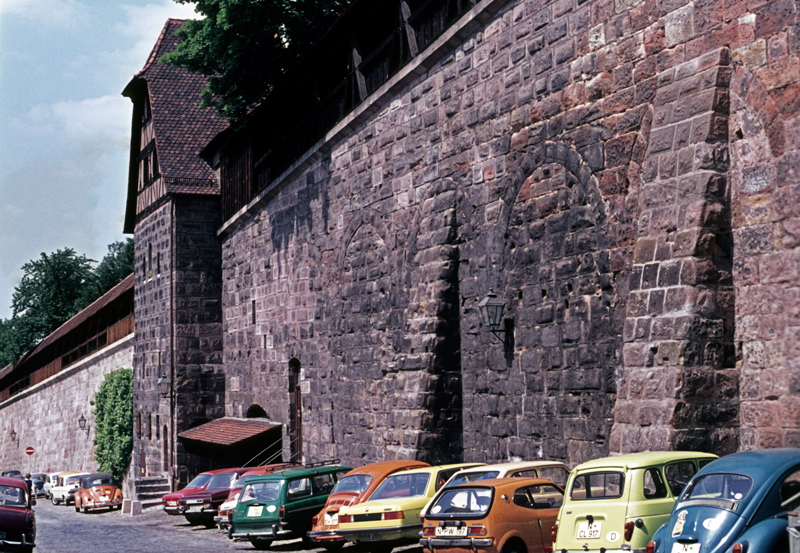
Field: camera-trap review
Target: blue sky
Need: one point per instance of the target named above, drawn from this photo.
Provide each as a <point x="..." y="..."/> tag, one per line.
<point x="64" y="125"/>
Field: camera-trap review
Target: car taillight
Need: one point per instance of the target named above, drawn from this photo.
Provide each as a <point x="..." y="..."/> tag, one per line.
<point x="393" y="515"/>
<point x="629" y="526"/>
<point x="429" y="531"/>
<point x="553" y="533"/>
<point x="230" y="516"/>
<point x="651" y="547"/>
<point x="314" y="520"/>
<point x="738" y="548"/>
<point x="281" y="512"/>
<point x="345" y="518"/>
<point x="476" y="531"/>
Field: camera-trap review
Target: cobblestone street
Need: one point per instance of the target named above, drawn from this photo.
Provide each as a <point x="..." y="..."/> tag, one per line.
<point x="61" y="530"/>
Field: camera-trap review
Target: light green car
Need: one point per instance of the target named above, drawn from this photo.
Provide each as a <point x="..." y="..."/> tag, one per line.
<point x="617" y="503"/>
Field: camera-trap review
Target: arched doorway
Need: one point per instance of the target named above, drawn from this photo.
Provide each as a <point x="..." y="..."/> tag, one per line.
<point x="295" y="412"/>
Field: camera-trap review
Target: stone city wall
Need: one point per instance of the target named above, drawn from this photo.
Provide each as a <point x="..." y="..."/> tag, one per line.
<point x="45" y="416"/>
<point x="623" y="173"/>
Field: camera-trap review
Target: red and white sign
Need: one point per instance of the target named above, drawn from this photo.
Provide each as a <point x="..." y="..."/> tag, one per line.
<point x="29" y="450"/>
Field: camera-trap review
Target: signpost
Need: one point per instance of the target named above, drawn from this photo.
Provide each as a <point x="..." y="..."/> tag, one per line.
<point x="29" y="450"/>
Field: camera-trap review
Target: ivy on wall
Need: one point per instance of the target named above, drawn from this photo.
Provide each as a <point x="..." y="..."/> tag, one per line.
<point x="113" y="415"/>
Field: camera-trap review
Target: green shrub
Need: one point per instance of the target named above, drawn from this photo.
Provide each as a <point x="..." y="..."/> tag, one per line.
<point x="113" y="416"/>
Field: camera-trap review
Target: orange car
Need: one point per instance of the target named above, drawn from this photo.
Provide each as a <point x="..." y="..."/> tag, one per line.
<point x="354" y="487"/>
<point x="97" y="491"/>
<point x="490" y="516"/>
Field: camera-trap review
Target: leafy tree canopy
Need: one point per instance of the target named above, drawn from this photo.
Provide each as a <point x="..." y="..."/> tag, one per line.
<point x="113" y="419"/>
<point x="53" y="289"/>
<point x="244" y="46"/>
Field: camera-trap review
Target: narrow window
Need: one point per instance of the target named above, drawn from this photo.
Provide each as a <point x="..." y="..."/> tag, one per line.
<point x="254" y="311"/>
<point x="149" y="426"/>
<point x="139" y="425"/>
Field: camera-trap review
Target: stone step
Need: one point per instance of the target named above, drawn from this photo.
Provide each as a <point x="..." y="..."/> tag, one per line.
<point x="150" y="490"/>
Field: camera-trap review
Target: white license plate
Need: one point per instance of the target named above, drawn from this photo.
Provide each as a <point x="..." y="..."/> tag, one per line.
<point x="255" y="511"/>
<point x="194" y="509"/>
<point x="588" y="531"/>
<point x="451" y="531"/>
<point x="332" y="520"/>
<point x="368" y="537"/>
<point x="685" y="548"/>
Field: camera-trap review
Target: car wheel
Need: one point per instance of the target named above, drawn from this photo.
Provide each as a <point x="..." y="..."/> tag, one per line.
<point x="54" y="500"/>
<point x="209" y="524"/>
<point x="380" y="548"/>
<point x="513" y="547"/>
<point x="333" y="547"/>
<point x="260" y="543"/>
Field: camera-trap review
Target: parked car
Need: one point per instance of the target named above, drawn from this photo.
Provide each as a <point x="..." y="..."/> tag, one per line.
<point x="225" y="509"/>
<point x="201" y="506"/>
<point x="280" y="505"/>
<point x="391" y="515"/>
<point x="97" y="491"/>
<point x="50" y="481"/>
<point x="65" y="487"/>
<point x="555" y="471"/>
<point x="37" y="481"/>
<point x="17" y="520"/>
<point x="493" y="516"/>
<point x="617" y="503"/>
<point x="11" y="474"/>
<point x="738" y="503"/>
<point x="354" y="487"/>
<point x="171" y="502"/>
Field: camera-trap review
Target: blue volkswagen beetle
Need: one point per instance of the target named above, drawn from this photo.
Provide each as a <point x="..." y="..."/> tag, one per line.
<point x="736" y="504"/>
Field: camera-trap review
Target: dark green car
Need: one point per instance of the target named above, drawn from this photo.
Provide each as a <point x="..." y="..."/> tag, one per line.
<point x="280" y="506"/>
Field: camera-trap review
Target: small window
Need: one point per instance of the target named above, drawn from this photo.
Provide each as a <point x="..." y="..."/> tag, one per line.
<point x="653" y="484"/>
<point x="522" y="499"/>
<point x="719" y="487"/>
<point x="463" y="502"/>
<point x="678" y="475"/>
<point x="323" y="483"/>
<point x="598" y="485"/>
<point x="530" y="473"/>
<point x="790" y="491"/>
<point x="546" y="496"/>
<point x="299" y="488"/>
<point x="559" y="475"/>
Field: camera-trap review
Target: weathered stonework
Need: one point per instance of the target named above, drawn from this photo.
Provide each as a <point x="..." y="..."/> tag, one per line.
<point x="45" y="416"/>
<point x="623" y="174"/>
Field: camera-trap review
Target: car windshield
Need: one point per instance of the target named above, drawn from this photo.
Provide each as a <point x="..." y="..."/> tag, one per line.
<point x="72" y="480"/>
<point x="97" y="481"/>
<point x="12" y="496"/>
<point x="719" y="487"/>
<point x="261" y="491"/>
<point x="597" y="485"/>
<point x="199" y="481"/>
<point x="465" y="477"/>
<point x="355" y="483"/>
<point x="224" y="480"/>
<point x="463" y="502"/>
<point x="402" y="485"/>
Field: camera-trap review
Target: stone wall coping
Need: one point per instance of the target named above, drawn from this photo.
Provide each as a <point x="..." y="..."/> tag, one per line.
<point x="450" y="38"/>
<point x="71" y="370"/>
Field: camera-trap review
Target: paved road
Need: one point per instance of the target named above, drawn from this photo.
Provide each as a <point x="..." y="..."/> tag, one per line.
<point x="61" y="530"/>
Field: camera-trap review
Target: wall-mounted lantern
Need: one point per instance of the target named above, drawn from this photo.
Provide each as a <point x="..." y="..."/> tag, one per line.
<point x="82" y="424"/>
<point x="491" y="308"/>
<point x="14" y="438"/>
<point x="164" y="386"/>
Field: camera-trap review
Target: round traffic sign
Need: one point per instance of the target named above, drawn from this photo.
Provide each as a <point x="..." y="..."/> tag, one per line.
<point x="29" y="450"/>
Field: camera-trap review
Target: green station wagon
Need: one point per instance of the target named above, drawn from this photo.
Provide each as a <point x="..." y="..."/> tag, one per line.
<point x="280" y="506"/>
<point x="617" y="503"/>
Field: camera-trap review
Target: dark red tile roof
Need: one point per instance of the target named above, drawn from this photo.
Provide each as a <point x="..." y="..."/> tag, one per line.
<point x="182" y="129"/>
<point x="228" y="431"/>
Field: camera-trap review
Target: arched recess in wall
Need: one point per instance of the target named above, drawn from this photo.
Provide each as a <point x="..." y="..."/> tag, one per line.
<point x="256" y="411"/>
<point x="551" y="265"/>
<point x="295" y="412"/>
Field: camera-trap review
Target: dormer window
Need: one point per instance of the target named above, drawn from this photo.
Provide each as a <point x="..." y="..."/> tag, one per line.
<point x="148" y="165"/>
<point x="146" y="113"/>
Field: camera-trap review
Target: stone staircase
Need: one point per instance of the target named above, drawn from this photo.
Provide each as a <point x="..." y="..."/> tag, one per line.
<point x="149" y="490"/>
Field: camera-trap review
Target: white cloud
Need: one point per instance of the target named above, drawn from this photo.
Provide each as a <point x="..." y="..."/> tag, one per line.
<point x="50" y="13"/>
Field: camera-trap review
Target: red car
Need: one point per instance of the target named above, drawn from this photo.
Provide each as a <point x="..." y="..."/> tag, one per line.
<point x="17" y="520"/>
<point x="171" y="500"/>
<point x="353" y="488"/>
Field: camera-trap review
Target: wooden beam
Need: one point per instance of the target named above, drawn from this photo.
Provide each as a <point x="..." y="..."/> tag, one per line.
<point x="411" y="35"/>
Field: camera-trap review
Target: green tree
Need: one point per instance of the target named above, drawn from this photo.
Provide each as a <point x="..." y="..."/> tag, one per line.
<point x="243" y="47"/>
<point x="52" y="290"/>
<point x="113" y="419"/>
<point x="115" y="266"/>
